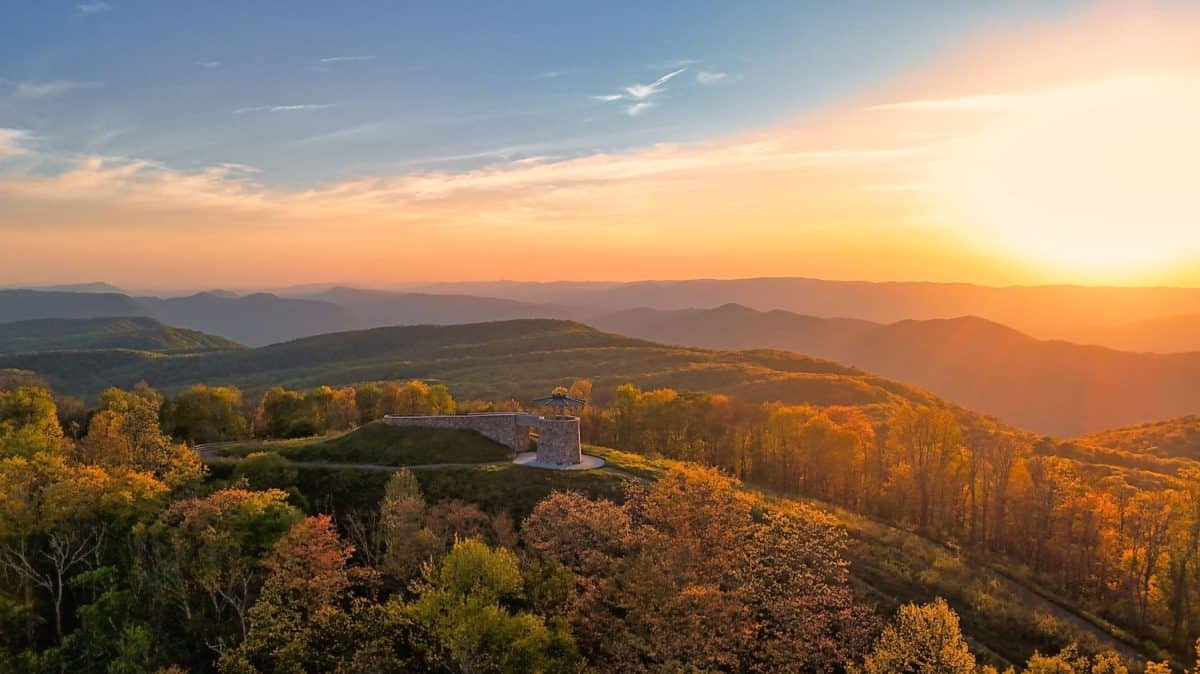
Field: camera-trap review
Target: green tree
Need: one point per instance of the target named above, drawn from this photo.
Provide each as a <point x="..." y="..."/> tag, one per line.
<point x="205" y="414"/>
<point x="467" y="610"/>
<point x="266" y="470"/>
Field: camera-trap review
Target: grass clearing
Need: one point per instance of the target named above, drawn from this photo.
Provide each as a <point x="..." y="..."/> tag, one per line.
<point x="379" y="443"/>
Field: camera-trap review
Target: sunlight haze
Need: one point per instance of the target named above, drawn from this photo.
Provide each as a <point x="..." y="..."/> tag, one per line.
<point x="1031" y="144"/>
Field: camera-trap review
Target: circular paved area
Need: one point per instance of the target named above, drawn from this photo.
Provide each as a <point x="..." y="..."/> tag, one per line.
<point x="530" y="459"/>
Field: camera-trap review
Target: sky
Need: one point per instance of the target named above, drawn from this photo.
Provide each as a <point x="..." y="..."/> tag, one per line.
<point x="239" y="145"/>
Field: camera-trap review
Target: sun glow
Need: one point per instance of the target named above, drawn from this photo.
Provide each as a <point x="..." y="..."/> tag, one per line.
<point x="1098" y="180"/>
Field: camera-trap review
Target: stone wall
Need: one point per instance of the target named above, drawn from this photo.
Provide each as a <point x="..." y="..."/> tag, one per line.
<point x="558" y="441"/>
<point x="558" y="436"/>
<point x="500" y="427"/>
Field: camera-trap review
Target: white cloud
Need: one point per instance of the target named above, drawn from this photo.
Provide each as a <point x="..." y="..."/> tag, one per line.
<point x="93" y="7"/>
<point x="340" y="59"/>
<point x="208" y="64"/>
<point x="638" y="108"/>
<point x="642" y="91"/>
<point x="283" y="108"/>
<point x="12" y="142"/>
<point x="706" y="77"/>
<point x="49" y="88"/>
<point x="549" y="74"/>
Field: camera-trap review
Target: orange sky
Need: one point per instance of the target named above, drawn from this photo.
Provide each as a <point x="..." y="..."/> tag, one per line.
<point x="1063" y="153"/>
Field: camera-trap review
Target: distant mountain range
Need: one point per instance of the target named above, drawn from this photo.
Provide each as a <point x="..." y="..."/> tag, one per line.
<point x="139" y="333"/>
<point x="1051" y="387"/>
<point x="263" y="318"/>
<point x="1047" y="385"/>
<point x="1163" y="320"/>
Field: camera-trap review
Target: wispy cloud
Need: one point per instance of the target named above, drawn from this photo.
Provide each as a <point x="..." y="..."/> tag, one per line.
<point x="283" y="108"/>
<point x="93" y="7"/>
<point x="50" y="88"/>
<point x="359" y="131"/>
<point x="640" y="94"/>
<point x="12" y="142"/>
<point x="674" y="63"/>
<point x="240" y="168"/>
<point x="638" y="108"/>
<point x="208" y="64"/>
<point x="340" y="59"/>
<point x="643" y="91"/>
<point x="969" y="102"/>
<point x="706" y="77"/>
<point x="549" y="74"/>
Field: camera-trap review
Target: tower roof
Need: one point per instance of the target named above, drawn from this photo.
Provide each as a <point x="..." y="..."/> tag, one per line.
<point x="558" y="400"/>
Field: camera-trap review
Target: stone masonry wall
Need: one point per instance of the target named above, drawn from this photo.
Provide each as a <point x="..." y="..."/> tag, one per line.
<point x="502" y="427"/>
<point x="558" y="437"/>
<point x="558" y="441"/>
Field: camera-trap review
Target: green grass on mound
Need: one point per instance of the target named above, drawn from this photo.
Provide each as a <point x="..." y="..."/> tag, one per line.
<point x="378" y="443"/>
<point x="496" y="488"/>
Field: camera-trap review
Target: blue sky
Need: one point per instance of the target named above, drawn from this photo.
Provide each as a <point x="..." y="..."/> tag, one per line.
<point x="306" y="93"/>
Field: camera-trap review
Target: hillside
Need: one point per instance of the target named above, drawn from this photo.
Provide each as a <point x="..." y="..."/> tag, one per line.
<point x="24" y="305"/>
<point x="139" y="333"/>
<point x="1004" y="619"/>
<point x="518" y="358"/>
<point x="1168" y="439"/>
<point x="1051" y="387"/>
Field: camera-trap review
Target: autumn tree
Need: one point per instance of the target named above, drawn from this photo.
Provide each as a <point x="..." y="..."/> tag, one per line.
<point x="205" y="414"/>
<point x="28" y="422"/>
<point x="928" y="439"/>
<point x="922" y="639"/>
<point x="125" y="432"/>
<point x="305" y="595"/>
<point x="689" y="555"/>
<point x="55" y="517"/>
<point x="202" y="559"/>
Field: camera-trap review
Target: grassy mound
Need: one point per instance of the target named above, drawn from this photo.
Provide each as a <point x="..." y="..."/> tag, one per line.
<point x="379" y="443"/>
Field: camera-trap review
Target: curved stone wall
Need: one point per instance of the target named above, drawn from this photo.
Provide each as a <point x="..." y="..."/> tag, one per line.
<point x="558" y="436"/>
<point x="502" y="427"/>
<point x="558" y="440"/>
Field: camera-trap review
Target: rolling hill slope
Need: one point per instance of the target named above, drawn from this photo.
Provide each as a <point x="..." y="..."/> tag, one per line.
<point x="1168" y="439"/>
<point x="139" y="333"/>
<point x="1051" y="387"/>
<point x="488" y="360"/>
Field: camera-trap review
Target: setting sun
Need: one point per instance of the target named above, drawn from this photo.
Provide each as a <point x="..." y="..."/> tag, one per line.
<point x="1097" y="178"/>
